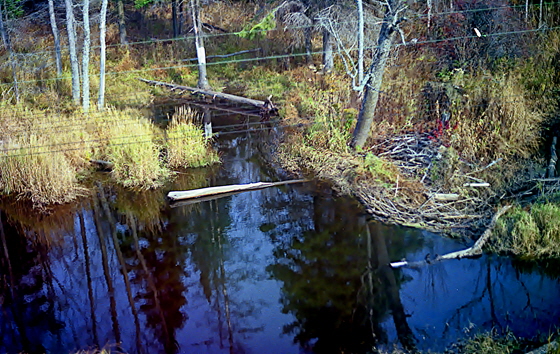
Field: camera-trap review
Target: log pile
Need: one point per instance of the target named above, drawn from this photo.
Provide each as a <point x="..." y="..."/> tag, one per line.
<point x="421" y="204"/>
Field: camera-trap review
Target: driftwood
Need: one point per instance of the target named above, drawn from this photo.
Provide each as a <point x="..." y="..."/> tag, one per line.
<point x="267" y="107"/>
<point x="445" y="197"/>
<point x="476" y="185"/>
<point x="210" y="191"/>
<point x="475" y="250"/>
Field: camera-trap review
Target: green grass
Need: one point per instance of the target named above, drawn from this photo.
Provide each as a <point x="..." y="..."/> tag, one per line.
<point x="533" y="233"/>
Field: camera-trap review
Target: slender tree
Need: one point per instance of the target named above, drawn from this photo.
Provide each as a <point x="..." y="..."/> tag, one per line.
<point x="8" y="45"/>
<point x="102" y="55"/>
<point x="122" y="22"/>
<point x="71" y="30"/>
<point x="174" y="18"/>
<point x="373" y="80"/>
<point x="328" y="57"/>
<point x="85" y="56"/>
<point x="54" y="28"/>
<point x="199" y="44"/>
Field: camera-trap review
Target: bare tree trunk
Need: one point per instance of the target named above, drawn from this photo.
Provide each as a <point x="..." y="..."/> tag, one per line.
<point x="71" y="30"/>
<point x="526" y="10"/>
<point x="540" y="13"/>
<point x="102" y="55"/>
<point x="360" y="42"/>
<point x="54" y="28"/>
<point x="85" y="56"/>
<point x="122" y="27"/>
<point x="328" y="59"/>
<point x="174" y="18"/>
<point x="199" y="44"/>
<point x="375" y="73"/>
<point x="308" y="33"/>
<point x="8" y="45"/>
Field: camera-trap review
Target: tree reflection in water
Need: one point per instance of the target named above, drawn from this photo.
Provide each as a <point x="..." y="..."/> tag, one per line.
<point x="335" y="281"/>
<point x="281" y="270"/>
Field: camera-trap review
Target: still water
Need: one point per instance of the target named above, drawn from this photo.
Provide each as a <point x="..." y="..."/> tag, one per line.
<point x="292" y="269"/>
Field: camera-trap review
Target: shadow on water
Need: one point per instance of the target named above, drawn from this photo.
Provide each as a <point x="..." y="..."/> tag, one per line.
<point x="292" y="269"/>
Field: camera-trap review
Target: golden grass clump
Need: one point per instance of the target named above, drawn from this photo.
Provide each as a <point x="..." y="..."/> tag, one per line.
<point x="37" y="173"/>
<point x="130" y="144"/>
<point x="529" y="234"/>
<point x="40" y="155"/>
<point x="186" y="145"/>
<point x="496" y="120"/>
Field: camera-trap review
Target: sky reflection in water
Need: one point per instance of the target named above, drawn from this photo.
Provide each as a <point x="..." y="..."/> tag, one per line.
<point x="281" y="270"/>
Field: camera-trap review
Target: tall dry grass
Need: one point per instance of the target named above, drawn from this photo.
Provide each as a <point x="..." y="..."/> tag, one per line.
<point x="186" y="145"/>
<point x="496" y="119"/>
<point x="43" y="153"/>
<point x="130" y="142"/>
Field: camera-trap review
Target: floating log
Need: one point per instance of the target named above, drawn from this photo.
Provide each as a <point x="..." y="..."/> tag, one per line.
<point x="267" y="108"/>
<point x="209" y="191"/>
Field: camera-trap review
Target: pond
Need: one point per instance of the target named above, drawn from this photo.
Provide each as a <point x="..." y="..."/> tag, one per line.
<point x="291" y="269"/>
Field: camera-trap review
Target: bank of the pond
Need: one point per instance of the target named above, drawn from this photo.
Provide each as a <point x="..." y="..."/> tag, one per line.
<point x="45" y="155"/>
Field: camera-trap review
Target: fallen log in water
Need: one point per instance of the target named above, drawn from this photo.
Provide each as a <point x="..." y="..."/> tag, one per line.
<point x="267" y="108"/>
<point x="209" y="191"/>
<point x="475" y="250"/>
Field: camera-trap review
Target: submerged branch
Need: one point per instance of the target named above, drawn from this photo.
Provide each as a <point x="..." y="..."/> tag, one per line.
<point x="475" y="250"/>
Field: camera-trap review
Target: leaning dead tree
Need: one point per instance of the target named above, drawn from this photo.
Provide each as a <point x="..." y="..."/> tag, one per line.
<point x="374" y="78"/>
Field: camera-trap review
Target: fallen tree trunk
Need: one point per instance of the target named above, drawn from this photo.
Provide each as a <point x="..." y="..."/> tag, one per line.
<point x="225" y="109"/>
<point x="209" y="191"/>
<point x="267" y="108"/>
<point x="475" y="250"/>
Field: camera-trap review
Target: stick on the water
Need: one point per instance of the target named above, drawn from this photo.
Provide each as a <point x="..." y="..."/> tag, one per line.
<point x="204" y="192"/>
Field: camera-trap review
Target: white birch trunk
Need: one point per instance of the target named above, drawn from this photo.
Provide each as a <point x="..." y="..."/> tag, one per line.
<point x="54" y="28"/>
<point x="102" y="55"/>
<point x="71" y="30"/>
<point x="199" y="45"/>
<point x="85" y="56"/>
<point x="360" y="43"/>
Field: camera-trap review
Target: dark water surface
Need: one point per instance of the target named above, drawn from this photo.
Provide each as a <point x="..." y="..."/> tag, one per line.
<point x="281" y="270"/>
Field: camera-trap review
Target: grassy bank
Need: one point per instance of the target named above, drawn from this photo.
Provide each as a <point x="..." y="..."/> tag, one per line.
<point x="532" y="232"/>
<point x="44" y="155"/>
